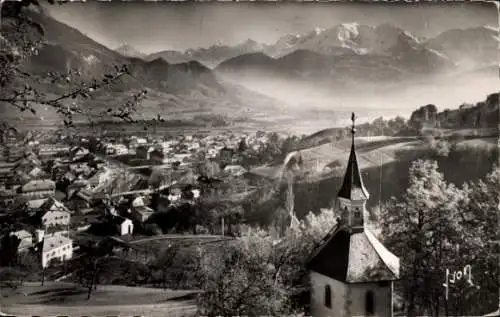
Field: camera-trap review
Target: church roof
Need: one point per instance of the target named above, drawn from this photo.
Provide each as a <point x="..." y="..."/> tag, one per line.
<point x="354" y="257"/>
<point x="352" y="186"/>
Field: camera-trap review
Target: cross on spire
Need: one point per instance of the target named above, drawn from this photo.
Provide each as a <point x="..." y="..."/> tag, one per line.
<point x="353" y="129"/>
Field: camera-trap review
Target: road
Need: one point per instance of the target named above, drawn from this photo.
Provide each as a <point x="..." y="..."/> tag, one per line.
<point x="180" y="237"/>
<point x="154" y="310"/>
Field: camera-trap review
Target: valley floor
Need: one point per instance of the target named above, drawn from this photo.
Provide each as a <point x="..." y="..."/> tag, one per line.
<point x="71" y="299"/>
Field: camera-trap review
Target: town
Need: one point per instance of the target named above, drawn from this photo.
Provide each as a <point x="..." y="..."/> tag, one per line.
<point x="54" y="191"/>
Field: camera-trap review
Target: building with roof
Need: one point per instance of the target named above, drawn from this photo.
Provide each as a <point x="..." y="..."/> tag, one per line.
<point x="351" y="272"/>
<point x="52" y="213"/>
<point x="141" y="213"/>
<point x="57" y="247"/>
<point x="25" y="240"/>
<point x="122" y="225"/>
<point x="38" y="188"/>
<point x="235" y="170"/>
<point x="77" y="152"/>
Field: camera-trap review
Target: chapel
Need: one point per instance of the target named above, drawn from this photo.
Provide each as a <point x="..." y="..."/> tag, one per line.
<point x="351" y="272"/>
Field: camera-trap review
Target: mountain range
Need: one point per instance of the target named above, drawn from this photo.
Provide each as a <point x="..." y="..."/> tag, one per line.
<point x="452" y="47"/>
<point x="185" y="88"/>
<point x="260" y="79"/>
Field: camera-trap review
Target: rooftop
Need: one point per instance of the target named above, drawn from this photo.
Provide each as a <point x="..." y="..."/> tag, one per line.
<point x="354" y="258"/>
<point x="54" y="242"/>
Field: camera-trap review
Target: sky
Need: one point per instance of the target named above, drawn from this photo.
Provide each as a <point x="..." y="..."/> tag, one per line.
<point x="154" y="26"/>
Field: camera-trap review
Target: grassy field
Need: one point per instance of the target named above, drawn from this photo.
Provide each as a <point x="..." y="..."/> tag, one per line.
<point x="70" y="299"/>
<point x="371" y="152"/>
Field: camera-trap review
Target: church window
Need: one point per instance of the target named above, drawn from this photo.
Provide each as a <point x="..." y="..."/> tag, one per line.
<point x="328" y="296"/>
<point x="370" y="303"/>
<point x="357" y="213"/>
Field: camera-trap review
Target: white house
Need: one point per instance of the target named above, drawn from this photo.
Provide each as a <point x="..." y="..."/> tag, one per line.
<point x="138" y="202"/>
<point x="120" y="149"/>
<point x="351" y="272"/>
<point x="25" y="239"/>
<point x="56" y="247"/>
<point x="235" y="170"/>
<point x="135" y="142"/>
<point x="123" y="225"/>
<point x="212" y="153"/>
<point x="53" y="212"/>
<point x="196" y="193"/>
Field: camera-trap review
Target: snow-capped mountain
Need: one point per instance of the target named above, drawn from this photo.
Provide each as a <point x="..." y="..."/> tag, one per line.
<point x="129" y="51"/>
<point x="384" y="39"/>
<point x="473" y="46"/>
<point x="219" y="52"/>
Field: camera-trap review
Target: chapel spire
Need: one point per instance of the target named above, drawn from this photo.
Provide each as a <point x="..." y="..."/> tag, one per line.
<point x="352" y="186"/>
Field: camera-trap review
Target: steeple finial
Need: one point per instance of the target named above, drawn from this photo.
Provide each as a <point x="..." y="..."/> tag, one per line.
<point x="353" y="129"/>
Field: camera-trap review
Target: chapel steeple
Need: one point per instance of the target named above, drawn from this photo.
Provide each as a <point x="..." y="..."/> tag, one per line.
<point x="350" y="264"/>
<point x="352" y="195"/>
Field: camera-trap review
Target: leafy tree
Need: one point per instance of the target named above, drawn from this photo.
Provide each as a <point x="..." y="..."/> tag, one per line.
<point x="91" y="266"/>
<point x="480" y="219"/>
<point x="423" y="228"/>
<point x="8" y="250"/>
<point x="163" y="263"/>
<point x="240" y="280"/>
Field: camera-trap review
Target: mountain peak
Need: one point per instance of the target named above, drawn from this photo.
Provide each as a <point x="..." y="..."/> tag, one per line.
<point x="129" y="51"/>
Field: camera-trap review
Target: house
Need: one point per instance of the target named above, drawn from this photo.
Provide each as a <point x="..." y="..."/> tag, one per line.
<point x="351" y="273"/>
<point x="123" y="225"/>
<point x="138" y="202"/>
<point x="35" y="204"/>
<point x="196" y="193"/>
<point x="52" y="149"/>
<point x="235" y="170"/>
<point x="25" y="240"/>
<point x="74" y="187"/>
<point x="29" y="158"/>
<point x="77" y="152"/>
<point x="100" y="178"/>
<point x="120" y="149"/>
<point x="211" y="153"/>
<point x="175" y="193"/>
<point x="57" y="247"/>
<point x="142" y="152"/>
<point x="141" y="213"/>
<point x="52" y="213"/>
<point x="38" y="188"/>
<point x="135" y="142"/>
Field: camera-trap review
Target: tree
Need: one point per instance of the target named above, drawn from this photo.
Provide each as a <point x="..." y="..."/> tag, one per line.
<point x="423" y="228"/>
<point x="163" y="264"/>
<point x="90" y="266"/>
<point x="480" y="219"/>
<point x="8" y="250"/>
<point x="240" y="280"/>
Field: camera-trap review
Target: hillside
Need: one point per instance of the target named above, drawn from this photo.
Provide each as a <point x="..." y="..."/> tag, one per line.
<point x="484" y="114"/>
<point x="480" y="119"/>
<point x="384" y="164"/>
<point x="129" y="51"/>
<point x="468" y="47"/>
<point x="173" y="57"/>
<point x="175" y="90"/>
